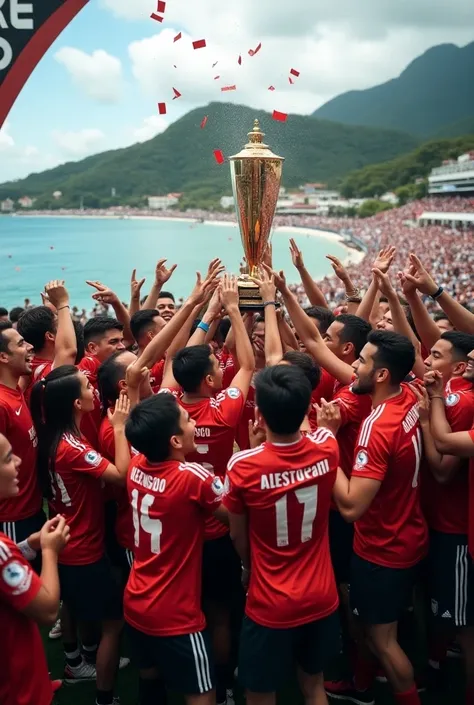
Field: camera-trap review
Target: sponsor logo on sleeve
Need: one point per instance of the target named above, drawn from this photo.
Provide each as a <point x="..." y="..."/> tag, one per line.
<point x="92" y="458"/>
<point x="233" y="392"/>
<point x="452" y="399"/>
<point x="17" y="576"/>
<point x="361" y="460"/>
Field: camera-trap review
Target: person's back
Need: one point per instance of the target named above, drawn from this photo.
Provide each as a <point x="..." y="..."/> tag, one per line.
<point x="286" y="490"/>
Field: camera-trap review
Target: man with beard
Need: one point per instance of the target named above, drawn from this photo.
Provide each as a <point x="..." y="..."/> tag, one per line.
<point x="382" y="498"/>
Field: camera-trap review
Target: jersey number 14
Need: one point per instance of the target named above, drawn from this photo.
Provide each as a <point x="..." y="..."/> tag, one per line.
<point x="141" y="520"/>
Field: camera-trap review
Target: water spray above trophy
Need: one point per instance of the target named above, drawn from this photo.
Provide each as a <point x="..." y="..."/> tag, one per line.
<point x="256" y="178"/>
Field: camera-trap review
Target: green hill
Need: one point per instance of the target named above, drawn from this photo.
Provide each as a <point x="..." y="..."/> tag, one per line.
<point x="181" y="159"/>
<point x="457" y="129"/>
<point x="376" y="179"/>
<point x="433" y="92"/>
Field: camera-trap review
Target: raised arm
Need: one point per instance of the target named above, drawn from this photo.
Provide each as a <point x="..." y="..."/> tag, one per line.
<point x="427" y="329"/>
<point x="107" y="296"/>
<point x="312" y="290"/>
<point x="162" y="274"/>
<point x="310" y="335"/>
<point x="243" y="346"/>
<point x="65" y="344"/>
<point x="273" y="346"/>
<point x="135" y="290"/>
<point x="460" y="443"/>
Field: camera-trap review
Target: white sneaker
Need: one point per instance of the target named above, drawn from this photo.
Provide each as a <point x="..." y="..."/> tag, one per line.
<point x="77" y="674"/>
<point x="56" y="631"/>
<point x="124" y="662"/>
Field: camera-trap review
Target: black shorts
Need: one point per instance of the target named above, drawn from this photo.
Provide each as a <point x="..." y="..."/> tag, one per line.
<point x="341" y="537"/>
<point x="91" y="591"/>
<point x="380" y="595"/>
<point x="184" y="662"/>
<point x="448" y="578"/>
<point x="18" y="531"/>
<point x="267" y="656"/>
<point x="221" y="571"/>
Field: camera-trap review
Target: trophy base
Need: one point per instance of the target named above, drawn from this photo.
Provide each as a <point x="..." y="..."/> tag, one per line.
<point x="249" y="295"/>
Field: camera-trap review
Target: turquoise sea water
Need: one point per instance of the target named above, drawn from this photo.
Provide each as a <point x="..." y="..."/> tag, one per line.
<point x="35" y="250"/>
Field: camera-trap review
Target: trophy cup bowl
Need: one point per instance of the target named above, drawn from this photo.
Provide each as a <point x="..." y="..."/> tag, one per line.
<point x="256" y="178"/>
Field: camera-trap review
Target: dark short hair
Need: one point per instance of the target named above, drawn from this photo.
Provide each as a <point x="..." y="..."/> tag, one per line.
<point x="15" y="314"/>
<point x="283" y="396"/>
<point x="3" y="311"/>
<point x="321" y="314"/>
<point x="462" y="344"/>
<point x="151" y="425"/>
<point x="166" y="295"/>
<point x="110" y="373"/>
<point x="440" y="316"/>
<point x="33" y="325"/>
<point x="79" y="331"/>
<point x="306" y="363"/>
<point x="142" y="321"/>
<point x="355" y="330"/>
<point x="4" y="342"/>
<point x="191" y="365"/>
<point x="394" y="351"/>
<point x="98" y="326"/>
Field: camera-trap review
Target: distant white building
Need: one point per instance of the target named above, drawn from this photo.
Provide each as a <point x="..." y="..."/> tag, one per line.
<point x="26" y="202"/>
<point x="161" y="203"/>
<point x="389" y="197"/>
<point x="452" y="176"/>
<point x="57" y="194"/>
<point x="6" y="206"/>
<point x="227" y="202"/>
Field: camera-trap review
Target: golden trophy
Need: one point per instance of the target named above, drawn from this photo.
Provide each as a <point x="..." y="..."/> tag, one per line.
<point x="256" y="177"/>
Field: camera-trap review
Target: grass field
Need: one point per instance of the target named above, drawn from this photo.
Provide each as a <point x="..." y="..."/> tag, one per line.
<point x="83" y="693"/>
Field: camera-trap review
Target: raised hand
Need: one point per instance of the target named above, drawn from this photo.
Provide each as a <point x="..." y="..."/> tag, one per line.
<point x="328" y="415"/>
<point x="204" y="289"/>
<point x="135" y="286"/>
<point x="266" y="284"/>
<point x="229" y="291"/>
<point x="162" y="273"/>
<point x="278" y="277"/>
<point x="408" y="287"/>
<point x="384" y="258"/>
<point x="339" y="270"/>
<point x="54" y="534"/>
<point x="135" y="377"/>
<point x="56" y="293"/>
<point x="257" y="434"/>
<point x="214" y="309"/>
<point x="296" y="255"/>
<point x="422" y="395"/>
<point x="119" y="416"/>
<point x="434" y="384"/>
<point x="422" y="279"/>
<point x="104" y="294"/>
<point x="383" y="282"/>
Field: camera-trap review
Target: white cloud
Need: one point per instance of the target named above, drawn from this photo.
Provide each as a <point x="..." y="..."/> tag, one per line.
<point x="80" y="143"/>
<point x="6" y="140"/>
<point x="151" y="126"/>
<point x="98" y="74"/>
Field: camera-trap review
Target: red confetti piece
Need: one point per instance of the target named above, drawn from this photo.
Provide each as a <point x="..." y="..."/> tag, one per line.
<point x="252" y="52"/>
<point x="240" y="60"/>
<point x="290" y="80"/>
<point x="216" y="78"/>
<point x="178" y="37"/>
<point x="156" y="17"/>
<point x="199" y="44"/>
<point x="294" y="72"/>
<point x="228" y="88"/>
<point x="204" y="122"/>
<point x="162" y="108"/>
<point x="218" y="156"/>
<point x="177" y="94"/>
<point x="161" y="6"/>
<point x="271" y="88"/>
<point x="281" y="117"/>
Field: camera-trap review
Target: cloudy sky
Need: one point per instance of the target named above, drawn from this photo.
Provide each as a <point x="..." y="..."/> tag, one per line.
<point x="98" y="86"/>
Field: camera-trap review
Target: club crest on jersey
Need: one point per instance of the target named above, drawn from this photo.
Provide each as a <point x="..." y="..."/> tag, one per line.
<point x="92" y="457"/>
<point x="14" y="574"/>
<point x="217" y="486"/>
<point x="233" y="392"/>
<point x="361" y="460"/>
<point x="452" y="399"/>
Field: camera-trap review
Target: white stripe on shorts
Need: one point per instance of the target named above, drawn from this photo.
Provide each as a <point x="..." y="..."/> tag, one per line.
<point x="201" y="662"/>
<point x="460" y="587"/>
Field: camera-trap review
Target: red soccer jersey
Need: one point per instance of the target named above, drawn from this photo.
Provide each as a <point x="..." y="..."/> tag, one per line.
<point x="216" y="421"/>
<point x="354" y="410"/>
<point x="17" y="425"/>
<point x="123" y="523"/>
<point x="446" y="505"/>
<point x="393" y="531"/>
<point x="77" y="494"/>
<point x="324" y="390"/>
<point x="286" y="492"/>
<point x="170" y="501"/>
<point x="90" y="423"/>
<point x="39" y="370"/>
<point x="248" y="414"/>
<point x="24" y="677"/>
<point x="156" y="375"/>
